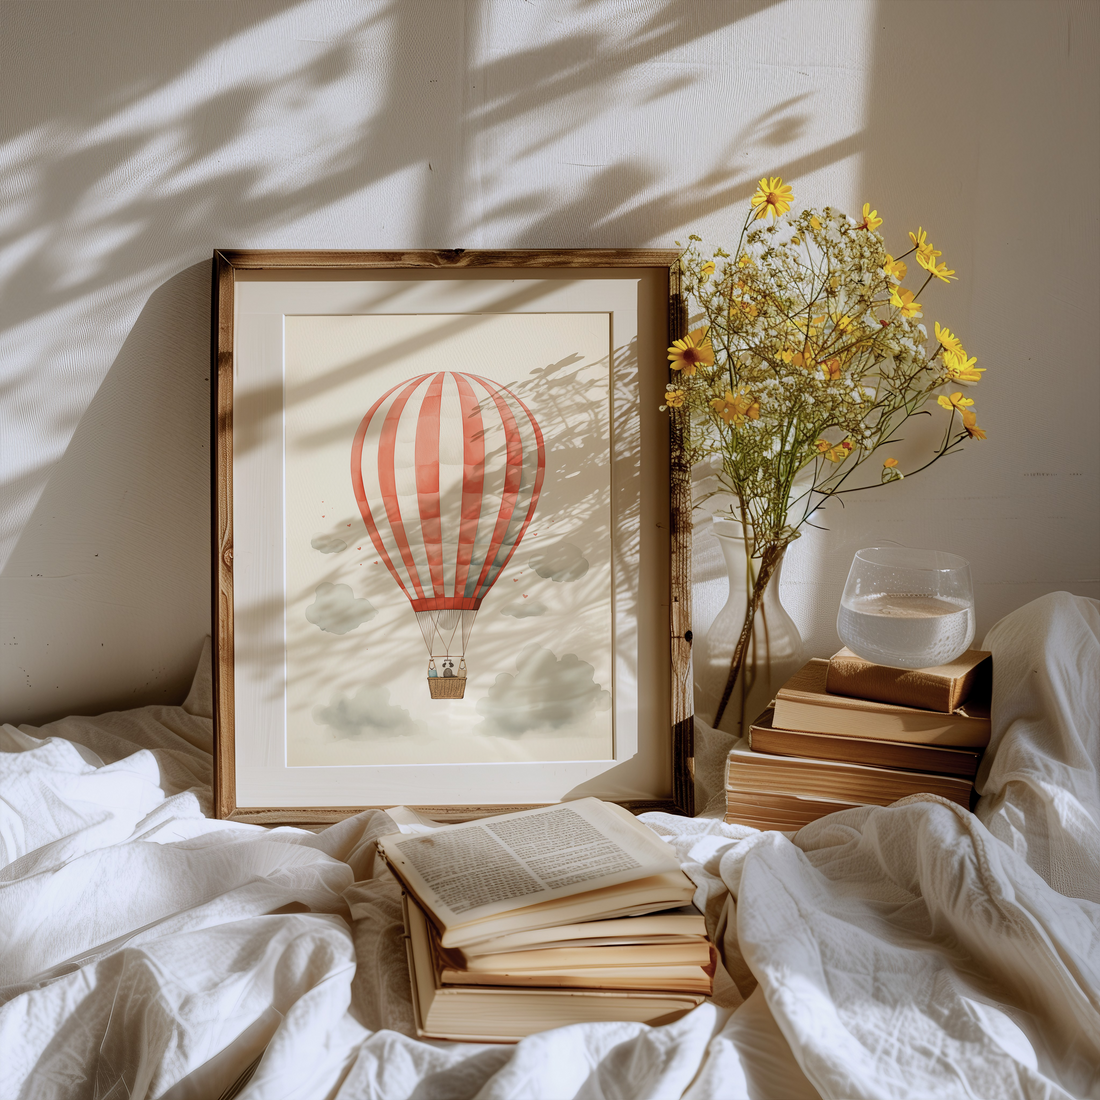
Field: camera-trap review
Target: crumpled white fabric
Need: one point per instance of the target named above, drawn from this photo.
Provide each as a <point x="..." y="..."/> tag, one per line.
<point x="916" y="950"/>
<point x="1041" y="776"/>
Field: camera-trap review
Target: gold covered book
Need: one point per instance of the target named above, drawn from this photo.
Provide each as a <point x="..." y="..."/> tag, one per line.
<point x="766" y="738"/>
<point x="859" y="784"/>
<point x="803" y="703"/>
<point x="944" y="688"/>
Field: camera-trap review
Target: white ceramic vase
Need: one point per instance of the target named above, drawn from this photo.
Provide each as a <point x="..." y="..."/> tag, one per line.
<point x="774" y="653"/>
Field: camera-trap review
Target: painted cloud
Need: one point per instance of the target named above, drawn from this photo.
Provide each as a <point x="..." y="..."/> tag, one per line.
<point x="545" y="694"/>
<point x="563" y="562"/>
<point x="328" y="544"/>
<point x="521" y="608"/>
<point x="336" y="609"/>
<point x="368" y="713"/>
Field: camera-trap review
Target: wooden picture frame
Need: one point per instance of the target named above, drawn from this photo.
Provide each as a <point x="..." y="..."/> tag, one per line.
<point x="246" y="343"/>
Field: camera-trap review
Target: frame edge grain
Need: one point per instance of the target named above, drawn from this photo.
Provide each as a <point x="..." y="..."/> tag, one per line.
<point x="221" y="378"/>
<point x="680" y="534"/>
<point x="224" y="265"/>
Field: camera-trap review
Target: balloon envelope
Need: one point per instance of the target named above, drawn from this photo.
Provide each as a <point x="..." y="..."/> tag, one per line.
<point x="447" y="469"/>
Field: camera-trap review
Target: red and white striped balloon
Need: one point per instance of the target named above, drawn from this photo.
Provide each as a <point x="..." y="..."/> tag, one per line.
<point x="447" y="469"/>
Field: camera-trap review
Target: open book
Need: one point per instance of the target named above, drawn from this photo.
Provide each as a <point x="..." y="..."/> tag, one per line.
<point x="555" y="865"/>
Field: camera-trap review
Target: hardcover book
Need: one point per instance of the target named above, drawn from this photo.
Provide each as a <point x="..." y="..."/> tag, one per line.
<point x="547" y="917"/>
<point x="765" y="737"/>
<point x="944" y="688"/>
<point x="444" y="1008"/>
<point x="785" y="813"/>
<point x="851" y="783"/>
<point x="804" y="703"/>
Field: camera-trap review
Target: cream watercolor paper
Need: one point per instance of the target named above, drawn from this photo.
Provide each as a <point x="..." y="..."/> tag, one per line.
<point x="540" y="654"/>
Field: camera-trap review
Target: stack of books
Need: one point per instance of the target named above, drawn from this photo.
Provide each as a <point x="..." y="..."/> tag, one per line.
<point x="558" y="915"/>
<point x="847" y="732"/>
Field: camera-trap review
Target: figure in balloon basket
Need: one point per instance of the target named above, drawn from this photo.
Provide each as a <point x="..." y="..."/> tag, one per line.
<point x="451" y="684"/>
<point x="447" y="469"/>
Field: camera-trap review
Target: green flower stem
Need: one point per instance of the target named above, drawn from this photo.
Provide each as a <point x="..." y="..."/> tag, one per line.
<point x="768" y="561"/>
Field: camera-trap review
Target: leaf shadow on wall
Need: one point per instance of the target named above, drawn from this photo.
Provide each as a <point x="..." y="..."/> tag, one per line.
<point x="182" y="104"/>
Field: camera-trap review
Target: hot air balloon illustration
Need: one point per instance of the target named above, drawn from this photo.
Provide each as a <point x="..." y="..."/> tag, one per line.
<point x="447" y="469"/>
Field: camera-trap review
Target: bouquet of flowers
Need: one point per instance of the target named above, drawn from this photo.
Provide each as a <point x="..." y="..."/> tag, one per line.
<point x="811" y="357"/>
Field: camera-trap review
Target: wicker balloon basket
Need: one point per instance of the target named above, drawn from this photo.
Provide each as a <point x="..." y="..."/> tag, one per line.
<point x="446" y="687"/>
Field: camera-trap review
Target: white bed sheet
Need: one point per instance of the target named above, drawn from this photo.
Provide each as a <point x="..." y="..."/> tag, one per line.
<point x="147" y="950"/>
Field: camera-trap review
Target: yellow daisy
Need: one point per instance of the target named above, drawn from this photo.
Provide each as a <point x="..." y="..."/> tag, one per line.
<point x="918" y="239"/>
<point x="675" y="398"/>
<point x="955" y="401"/>
<point x="690" y="352"/>
<point x="927" y="259"/>
<point x="970" y="423"/>
<point x="871" y="220"/>
<point x="837" y="453"/>
<point x="926" y="254"/>
<point x="962" y="369"/>
<point x="948" y="340"/>
<point x="896" y="268"/>
<point x="735" y="407"/>
<point x="773" y="197"/>
<point x="942" y="272"/>
<point x="903" y="300"/>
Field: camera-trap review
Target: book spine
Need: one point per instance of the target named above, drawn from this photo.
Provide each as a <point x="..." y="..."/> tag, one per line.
<point x="856" y="750"/>
<point x="924" y="689"/>
<point x="836" y="715"/>
<point x="741" y="809"/>
<point x="879" y="786"/>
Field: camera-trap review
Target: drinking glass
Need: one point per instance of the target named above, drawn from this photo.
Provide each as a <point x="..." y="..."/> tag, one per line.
<point x="907" y="608"/>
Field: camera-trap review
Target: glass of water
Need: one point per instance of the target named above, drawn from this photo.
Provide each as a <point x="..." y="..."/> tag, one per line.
<point x="907" y="608"/>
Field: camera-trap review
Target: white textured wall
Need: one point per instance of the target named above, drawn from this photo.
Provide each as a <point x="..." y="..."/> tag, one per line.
<point x="138" y="136"/>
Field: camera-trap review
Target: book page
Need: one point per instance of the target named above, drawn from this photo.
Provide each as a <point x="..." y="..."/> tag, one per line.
<point x="482" y="868"/>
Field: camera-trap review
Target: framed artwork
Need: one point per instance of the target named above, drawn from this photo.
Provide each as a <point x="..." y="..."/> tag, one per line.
<point x="450" y="565"/>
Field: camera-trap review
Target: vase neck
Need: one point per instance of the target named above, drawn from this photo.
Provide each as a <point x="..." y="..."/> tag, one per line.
<point x="737" y="553"/>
